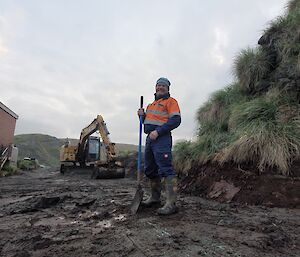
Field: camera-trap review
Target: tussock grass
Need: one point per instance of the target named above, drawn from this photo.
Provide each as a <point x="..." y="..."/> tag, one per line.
<point x="256" y="120"/>
<point x="217" y="109"/>
<point x="210" y="140"/>
<point x="285" y="35"/>
<point x="266" y="134"/>
<point x="268" y="144"/>
<point x="264" y="131"/>
<point x="257" y="110"/>
<point x="293" y="5"/>
<point x="282" y="97"/>
<point x="8" y="170"/>
<point x="183" y="156"/>
<point x="27" y="164"/>
<point x="250" y="66"/>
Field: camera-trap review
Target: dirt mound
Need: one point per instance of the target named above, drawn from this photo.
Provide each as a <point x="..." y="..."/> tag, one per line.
<point x="235" y="184"/>
<point x="130" y="163"/>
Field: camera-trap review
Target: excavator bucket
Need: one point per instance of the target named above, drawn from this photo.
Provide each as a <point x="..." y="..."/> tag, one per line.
<point x="108" y="172"/>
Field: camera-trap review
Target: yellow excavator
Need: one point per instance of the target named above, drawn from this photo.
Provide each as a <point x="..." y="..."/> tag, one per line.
<point x="92" y="152"/>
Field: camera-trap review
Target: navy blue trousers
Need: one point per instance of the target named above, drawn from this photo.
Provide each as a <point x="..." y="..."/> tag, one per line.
<point x="158" y="157"/>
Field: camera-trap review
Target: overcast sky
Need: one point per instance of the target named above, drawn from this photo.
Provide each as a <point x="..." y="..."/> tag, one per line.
<point x="62" y="62"/>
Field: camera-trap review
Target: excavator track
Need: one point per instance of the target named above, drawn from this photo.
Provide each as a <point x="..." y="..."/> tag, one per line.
<point x="108" y="172"/>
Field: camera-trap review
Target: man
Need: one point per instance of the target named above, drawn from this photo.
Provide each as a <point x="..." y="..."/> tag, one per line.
<point x="162" y="116"/>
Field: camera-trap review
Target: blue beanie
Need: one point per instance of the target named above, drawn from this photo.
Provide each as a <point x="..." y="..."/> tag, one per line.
<point x="163" y="81"/>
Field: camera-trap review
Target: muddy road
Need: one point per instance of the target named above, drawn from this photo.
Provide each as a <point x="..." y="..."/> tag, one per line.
<point x="43" y="213"/>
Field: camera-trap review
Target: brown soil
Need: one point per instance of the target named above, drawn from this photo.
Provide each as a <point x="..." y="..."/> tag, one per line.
<point x="44" y="213"/>
<point x="264" y="189"/>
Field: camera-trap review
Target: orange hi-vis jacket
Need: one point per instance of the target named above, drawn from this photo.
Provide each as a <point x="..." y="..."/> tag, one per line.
<point x="162" y="115"/>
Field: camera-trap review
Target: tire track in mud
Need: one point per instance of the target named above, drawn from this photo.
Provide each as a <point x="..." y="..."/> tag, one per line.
<point x="47" y="214"/>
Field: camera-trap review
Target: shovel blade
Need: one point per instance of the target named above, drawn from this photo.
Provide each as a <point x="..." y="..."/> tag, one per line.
<point x="138" y="197"/>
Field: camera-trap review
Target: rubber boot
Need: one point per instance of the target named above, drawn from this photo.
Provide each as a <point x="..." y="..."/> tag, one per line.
<point x="171" y="195"/>
<point x="154" y="198"/>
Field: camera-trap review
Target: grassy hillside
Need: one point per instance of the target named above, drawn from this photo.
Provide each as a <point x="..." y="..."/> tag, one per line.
<point x="45" y="148"/>
<point x="256" y="119"/>
<point x="42" y="147"/>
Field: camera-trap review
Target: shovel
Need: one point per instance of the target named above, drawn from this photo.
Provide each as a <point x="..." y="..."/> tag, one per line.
<point x="138" y="197"/>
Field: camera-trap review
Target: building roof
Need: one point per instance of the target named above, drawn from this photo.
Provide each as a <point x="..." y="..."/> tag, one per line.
<point x="9" y="111"/>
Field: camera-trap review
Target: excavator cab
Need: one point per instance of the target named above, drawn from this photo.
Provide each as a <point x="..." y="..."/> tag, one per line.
<point x="92" y="149"/>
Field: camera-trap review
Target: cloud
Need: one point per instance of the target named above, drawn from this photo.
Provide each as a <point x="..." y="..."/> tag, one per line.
<point x="65" y="62"/>
<point x="221" y="42"/>
<point x="3" y="48"/>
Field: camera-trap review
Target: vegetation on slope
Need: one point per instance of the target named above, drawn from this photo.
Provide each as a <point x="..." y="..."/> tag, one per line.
<point x="42" y="147"/>
<point x="255" y="120"/>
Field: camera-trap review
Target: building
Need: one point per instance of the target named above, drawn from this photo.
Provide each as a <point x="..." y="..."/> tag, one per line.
<point x="7" y="125"/>
<point x="8" y="121"/>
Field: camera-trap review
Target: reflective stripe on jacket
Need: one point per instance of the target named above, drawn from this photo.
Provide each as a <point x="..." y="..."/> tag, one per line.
<point x="160" y="115"/>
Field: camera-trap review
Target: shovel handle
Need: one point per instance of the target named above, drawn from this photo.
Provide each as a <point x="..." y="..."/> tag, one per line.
<point x="141" y="101"/>
<point x="140" y="144"/>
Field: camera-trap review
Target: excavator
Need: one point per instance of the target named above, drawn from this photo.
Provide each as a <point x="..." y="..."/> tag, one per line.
<point x="91" y="152"/>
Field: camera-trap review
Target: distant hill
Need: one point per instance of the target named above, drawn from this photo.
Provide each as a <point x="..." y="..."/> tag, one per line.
<point x="45" y="148"/>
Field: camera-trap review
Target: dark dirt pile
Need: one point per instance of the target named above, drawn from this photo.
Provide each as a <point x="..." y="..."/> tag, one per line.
<point x="130" y="163"/>
<point x="240" y="185"/>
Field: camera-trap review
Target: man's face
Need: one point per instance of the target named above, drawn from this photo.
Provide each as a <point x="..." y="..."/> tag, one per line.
<point x="161" y="89"/>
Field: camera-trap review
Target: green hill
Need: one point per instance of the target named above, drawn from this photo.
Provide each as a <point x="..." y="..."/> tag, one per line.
<point x="45" y="148"/>
<point x="42" y="147"/>
<point x="254" y="121"/>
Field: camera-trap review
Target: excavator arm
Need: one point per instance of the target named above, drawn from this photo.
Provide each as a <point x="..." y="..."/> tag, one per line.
<point x="104" y="133"/>
<point x="97" y="124"/>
